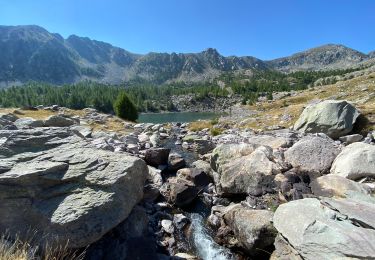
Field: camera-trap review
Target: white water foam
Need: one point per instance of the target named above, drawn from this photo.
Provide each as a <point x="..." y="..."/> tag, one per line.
<point x="206" y="247"/>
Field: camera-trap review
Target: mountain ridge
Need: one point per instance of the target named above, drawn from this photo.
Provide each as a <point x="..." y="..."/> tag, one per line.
<point x="30" y="52"/>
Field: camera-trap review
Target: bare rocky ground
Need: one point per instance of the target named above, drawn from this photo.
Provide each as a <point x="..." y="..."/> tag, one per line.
<point x="285" y="179"/>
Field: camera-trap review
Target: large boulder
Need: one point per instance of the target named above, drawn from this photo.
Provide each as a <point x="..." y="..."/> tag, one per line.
<point x="272" y="141"/>
<point x="195" y="175"/>
<point x="63" y="190"/>
<point x="333" y="117"/>
<point x="244" y="170"/>
<point x="157" y="156"/>
<point x="312" y="155"/>
<point x="336" y="186"/>
<point x="252" y="228"/>
<point x="328" y="229"/>
<point x="9" y="117"/>
<point x="356" y="161"/>
<point x="28" y="122"/>
<point x="176" y="161"/>
<point x="58" y="121"/>
<point x="225" y="153"/>
<point x="179" y="192"/>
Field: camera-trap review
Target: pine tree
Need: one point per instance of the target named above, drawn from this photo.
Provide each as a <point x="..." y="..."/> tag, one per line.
<point x="124" y="107"/>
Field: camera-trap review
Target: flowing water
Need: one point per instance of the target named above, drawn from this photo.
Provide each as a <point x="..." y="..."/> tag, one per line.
<point x="183" y="117"/>
<point x="201" y="241"/>
<point x="205" y="247"/>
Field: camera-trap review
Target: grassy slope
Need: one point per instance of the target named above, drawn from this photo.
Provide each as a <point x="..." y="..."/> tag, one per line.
<point x="360" y="91"/>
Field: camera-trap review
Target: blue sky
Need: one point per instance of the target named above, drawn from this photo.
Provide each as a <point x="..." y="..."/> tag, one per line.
<point x="264" y="28"/>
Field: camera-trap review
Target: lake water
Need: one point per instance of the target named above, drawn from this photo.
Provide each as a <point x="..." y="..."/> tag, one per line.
<point x="159" y="118"/>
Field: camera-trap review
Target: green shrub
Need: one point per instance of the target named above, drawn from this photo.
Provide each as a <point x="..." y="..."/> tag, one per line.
<point x="214" y="121"/>
<point x="216" y="131"/>
<point x="125" y="108"/>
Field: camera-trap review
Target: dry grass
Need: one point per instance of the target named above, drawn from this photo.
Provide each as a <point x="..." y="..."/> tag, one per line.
<point x="199" y="125"/>
<point x="113" y="124"/>
<point x="270" y="113"/>
<point x="18" y="250"/>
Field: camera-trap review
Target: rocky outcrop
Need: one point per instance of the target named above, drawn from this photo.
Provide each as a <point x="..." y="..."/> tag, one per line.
<point x="328" y="229"/>
<point x="179" y="192"/>
<point x="58" y="121"/>
<point x="28" y="122"/>
<point x="243" y="169"/>
<point x="336" y="186"/>
<point x="356" y="161"/>
<point x="157" y="156"/>
<point x="176" y="162"/>
<point x="59" y="185"/>
<point x="252" y="228"/>
<point x="313" y="155"/>
<point x="333" y="117"/>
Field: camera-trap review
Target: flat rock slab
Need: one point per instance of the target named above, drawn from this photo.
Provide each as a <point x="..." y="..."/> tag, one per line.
<point x="58" y="185"/>
<point x="328" y="229"/>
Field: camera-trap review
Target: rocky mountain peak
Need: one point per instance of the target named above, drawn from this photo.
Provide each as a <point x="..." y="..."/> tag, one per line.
<point x="329" y="56"/>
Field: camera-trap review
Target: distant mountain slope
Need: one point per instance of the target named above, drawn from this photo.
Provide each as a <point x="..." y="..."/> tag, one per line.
<point x="162" y="67"/>
<point x="372" y="54"/>
<point x="330" y="56"/>
<point x="33" y="53"/>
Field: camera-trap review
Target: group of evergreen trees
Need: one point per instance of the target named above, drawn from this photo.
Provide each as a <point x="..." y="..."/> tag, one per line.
<point x="148" y="97"/>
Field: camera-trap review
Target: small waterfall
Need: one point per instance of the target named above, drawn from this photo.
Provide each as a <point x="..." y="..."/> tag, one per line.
<point x="206" y="247"/>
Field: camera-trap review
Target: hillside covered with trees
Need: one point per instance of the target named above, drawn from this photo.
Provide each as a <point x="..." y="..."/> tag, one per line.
<point x="102" y="96"/>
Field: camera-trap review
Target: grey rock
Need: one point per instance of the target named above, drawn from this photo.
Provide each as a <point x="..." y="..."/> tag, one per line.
<point x="143" y="138"/>
<point x="197" y="176"/>
<point x="349" y="139"/>
<point x="155" y="139"/>
<point x="204" y="166"/>
<point x="336" y="186"/>
<point x="132" y="148"/>
<point x="83" y="130"/>
<point x="272" y="141"/>
<point x="243" y="169"/>
<point x="331" y="229"/>
<point x="179" y="192"/>
<point x="154" y="176"/>
<point x="202" y="146"/>
<point x="157" y="156"/>
<point x="283" y="251"/>
<point x="105" y="135"/>
<point x="333" y="117"/>
<point x="180" y="221"/>
<point x="167" y="226"/>
<point x="356" y="161"/>
<point x="225" y="153"/>
<point x="176" y="161"/>
<point x="58" y="121"/>
<point x="66" y="189"/>
<point x="312" y="155"/>
<point x="9" y="117"/>
<point x="28" y="122"/>
<point x="252" y="228"/>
